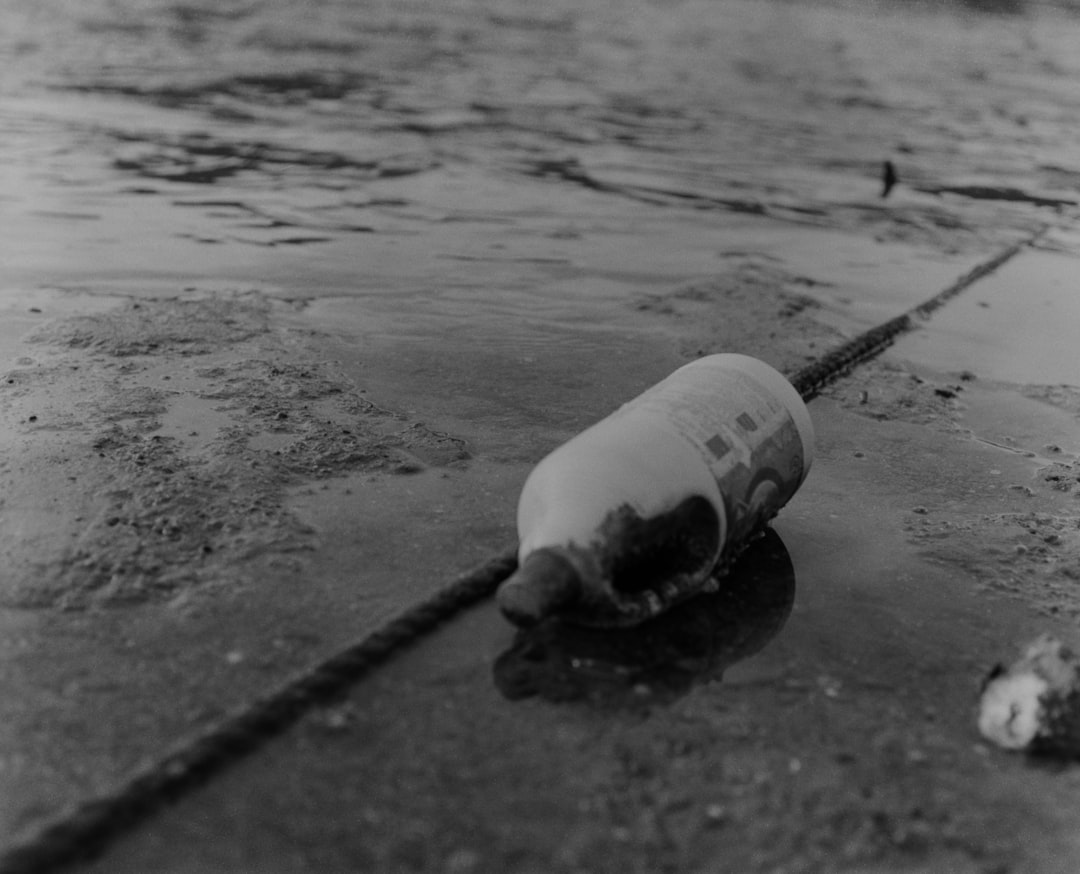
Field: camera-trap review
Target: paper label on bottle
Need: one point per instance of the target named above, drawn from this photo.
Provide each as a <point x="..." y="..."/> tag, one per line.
<point x="745" y="434"/>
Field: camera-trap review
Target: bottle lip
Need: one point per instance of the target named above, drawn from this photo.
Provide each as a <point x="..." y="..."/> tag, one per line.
<point x="545" y="583"/>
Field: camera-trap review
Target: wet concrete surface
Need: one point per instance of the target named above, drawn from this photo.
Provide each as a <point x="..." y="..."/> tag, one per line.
<point x="293" y="300"/>
<point x="846" y="742"/>
<point x="1014" y="329"/>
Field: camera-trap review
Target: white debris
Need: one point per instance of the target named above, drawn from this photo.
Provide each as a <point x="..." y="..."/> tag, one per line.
<point x="1034" y="704"/>
<point x="1010" y="711"/>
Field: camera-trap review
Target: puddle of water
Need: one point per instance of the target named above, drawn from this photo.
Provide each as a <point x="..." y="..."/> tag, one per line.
<point x="1017" y="325"/>
<point x="695" y="642"/>
<point x="883" y="612"/>
<point x="1021" y="425"/>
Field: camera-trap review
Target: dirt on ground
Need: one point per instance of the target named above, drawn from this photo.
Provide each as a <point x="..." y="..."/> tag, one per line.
<point x="186" y="420"/>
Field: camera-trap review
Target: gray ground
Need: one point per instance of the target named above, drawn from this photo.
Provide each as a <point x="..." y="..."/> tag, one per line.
<point x="274" y="374"/>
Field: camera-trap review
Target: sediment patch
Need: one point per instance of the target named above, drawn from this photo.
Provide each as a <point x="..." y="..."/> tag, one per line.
<point x="887" y="391"/>
<point x="185" y="420"/>
<point x="1031" y="555"/>
<point x="754" y="300"/>
<point x="177" y="327"/>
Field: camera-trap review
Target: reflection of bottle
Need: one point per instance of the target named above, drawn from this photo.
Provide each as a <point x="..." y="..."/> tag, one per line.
<point x="694" y="642"/>
<point x="635" y="513"/>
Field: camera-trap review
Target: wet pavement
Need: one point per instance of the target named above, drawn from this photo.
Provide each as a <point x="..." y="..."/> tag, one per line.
<point x="294" y="297"/>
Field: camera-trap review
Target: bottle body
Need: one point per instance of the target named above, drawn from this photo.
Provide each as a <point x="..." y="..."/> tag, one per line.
<point x="635" y="513"/>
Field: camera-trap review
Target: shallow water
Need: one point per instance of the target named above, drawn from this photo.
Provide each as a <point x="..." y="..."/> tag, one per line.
<point x="256" y="126"/>
<point x="441" y="181"/>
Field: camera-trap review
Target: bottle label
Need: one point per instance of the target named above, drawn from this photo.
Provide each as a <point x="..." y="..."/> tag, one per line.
<point x="746" y="435"/>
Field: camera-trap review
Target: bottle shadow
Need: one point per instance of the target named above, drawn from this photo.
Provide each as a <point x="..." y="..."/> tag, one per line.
<point x="663" y="658"/>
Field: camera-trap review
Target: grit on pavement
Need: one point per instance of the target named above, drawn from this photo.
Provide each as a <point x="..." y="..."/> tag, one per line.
<point x="295" y="295"/>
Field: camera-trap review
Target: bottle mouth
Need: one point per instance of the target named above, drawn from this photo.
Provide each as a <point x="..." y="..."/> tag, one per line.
<point x="546" y="583"/>
<point x="634" y="569"/>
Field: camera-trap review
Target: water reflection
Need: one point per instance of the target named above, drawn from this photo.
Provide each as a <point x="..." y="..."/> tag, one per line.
<point x="662" y="659"/>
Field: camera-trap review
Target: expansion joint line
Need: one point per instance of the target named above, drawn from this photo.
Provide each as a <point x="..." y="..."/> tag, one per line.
<point x="84" y="831"/>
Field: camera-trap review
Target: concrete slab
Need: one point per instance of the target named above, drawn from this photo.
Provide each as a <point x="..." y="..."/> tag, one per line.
<point x="292" y="302"/>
